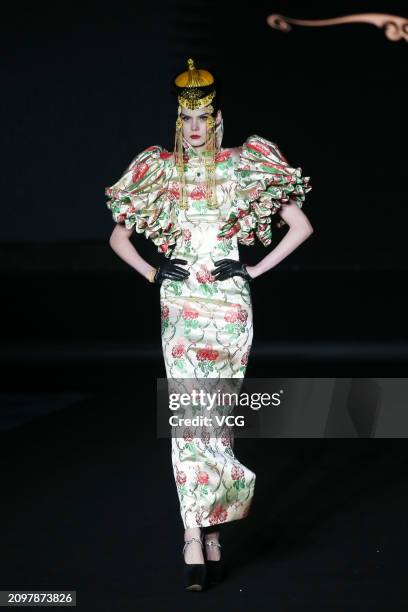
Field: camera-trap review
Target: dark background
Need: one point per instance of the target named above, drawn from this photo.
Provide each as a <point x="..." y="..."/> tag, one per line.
<point x="90" y="494"/>
<point x="86" y="88"/>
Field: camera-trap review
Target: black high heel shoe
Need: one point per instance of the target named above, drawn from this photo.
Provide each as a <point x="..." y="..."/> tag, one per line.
<point x="216" y="570"/>
<point x="195" y="574"/>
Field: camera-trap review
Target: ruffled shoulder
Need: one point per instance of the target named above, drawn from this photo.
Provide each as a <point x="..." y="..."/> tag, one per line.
<point x="264" y="181"/>
<point x="140" y="198"/>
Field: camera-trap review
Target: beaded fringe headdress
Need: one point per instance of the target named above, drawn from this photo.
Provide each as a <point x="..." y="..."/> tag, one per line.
<point x="196" y="90"/>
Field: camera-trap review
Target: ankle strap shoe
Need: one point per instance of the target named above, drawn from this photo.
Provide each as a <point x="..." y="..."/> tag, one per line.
<point x="216" y="570"/>
<point x="195" y="574"/>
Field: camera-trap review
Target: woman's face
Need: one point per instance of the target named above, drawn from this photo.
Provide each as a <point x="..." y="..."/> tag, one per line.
<point x="195" y="125"/>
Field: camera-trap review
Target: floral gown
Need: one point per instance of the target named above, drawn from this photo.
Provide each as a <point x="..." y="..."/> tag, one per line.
<point x="207" y="325"/>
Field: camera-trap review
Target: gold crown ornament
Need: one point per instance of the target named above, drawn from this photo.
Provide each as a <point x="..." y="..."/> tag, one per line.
<point x="194" y="93"/>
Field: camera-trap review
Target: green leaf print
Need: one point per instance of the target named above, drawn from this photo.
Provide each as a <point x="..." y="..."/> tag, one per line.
<point x="200" y="206"/>
<point x="190" y="324"/>
<point x="179" y="363"/>
<point x="176" y="287"/>
<point x="206" y="367"/>
<point x="207" y="289"/>
<point x="226" y="246"/>
<point x="231" y="328"/>
<point x="191" y="447"/>
<point x="195" y="409"/>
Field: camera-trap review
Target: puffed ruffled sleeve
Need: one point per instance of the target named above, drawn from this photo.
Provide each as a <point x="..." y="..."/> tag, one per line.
<point x="140" y="199"/>
<point x="264" y="181"/>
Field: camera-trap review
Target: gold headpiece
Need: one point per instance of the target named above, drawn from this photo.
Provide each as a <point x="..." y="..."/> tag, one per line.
<point x="192" y="96"/>
<point x="191" y="80"/>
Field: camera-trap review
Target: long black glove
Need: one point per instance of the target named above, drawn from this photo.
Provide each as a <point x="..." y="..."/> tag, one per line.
<point x="168" y="269"/>
<point x="226" y="268"/>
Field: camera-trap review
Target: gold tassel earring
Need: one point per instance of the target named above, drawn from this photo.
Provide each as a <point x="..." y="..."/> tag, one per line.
<point x="179" y="160"/>
<point x="210" y="165"/>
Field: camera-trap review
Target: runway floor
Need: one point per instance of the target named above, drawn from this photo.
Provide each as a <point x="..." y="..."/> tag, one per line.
<point x="89" y="504"/>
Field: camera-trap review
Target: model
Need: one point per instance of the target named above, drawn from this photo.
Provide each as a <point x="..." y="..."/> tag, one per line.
<point x="197" y="203"/>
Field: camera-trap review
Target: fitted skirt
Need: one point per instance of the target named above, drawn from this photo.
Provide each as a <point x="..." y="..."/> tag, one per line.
<point x="207" y="338"/>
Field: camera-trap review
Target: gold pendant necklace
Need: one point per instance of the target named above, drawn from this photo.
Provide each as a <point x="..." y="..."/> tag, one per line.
<point x="212" y="203"/>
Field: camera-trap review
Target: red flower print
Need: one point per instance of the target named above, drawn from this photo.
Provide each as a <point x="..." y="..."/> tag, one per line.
<point x="189" y="313"/>
<point x="222" y="156"/>
<point x="231" y="232"/>
<point x="188" y="436"/>
<point x="198" y="193"/>
<point x="244" y="358"/>
<point x="187" y="234"/>
<point x="139" y="171"/>
<point x="165" y="155"/>
<point x="181" y="478"/>
<point x="269" y="165"/>
<point x="237" y="473"/>
<point x="173" y="191"/>
<point x="121" y="218"/>
<point x="204" y="275"/>
<point x="243" y="315"/>
<point x="218" y="515"/>
<point x="259" y="148"/>
<point x="164" y="311"/>
<point x="178" y="349"/>
<point x="201" y="276"/>
<point x="226" y="441"/>
<point x="202" y="478"/>
<point x="231" y="316"/>
<point x="164" y="246"/>
<point x="207" y="354"/>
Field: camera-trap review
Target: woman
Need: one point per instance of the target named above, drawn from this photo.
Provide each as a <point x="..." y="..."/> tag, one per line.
<point x="196" y="204"/>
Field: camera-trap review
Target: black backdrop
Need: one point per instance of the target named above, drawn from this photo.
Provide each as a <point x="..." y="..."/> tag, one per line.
<point x="86" y="88"/>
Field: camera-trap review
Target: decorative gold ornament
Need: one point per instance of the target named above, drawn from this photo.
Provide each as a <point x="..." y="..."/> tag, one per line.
<point x="192" y="100"/>
<point x="191" y="80"/>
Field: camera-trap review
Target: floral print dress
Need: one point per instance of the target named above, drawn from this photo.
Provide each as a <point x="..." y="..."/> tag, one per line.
<point x="206" y="324"/>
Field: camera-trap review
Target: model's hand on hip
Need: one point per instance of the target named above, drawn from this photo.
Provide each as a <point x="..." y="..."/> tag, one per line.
<point x="168" y="269"/>
<point x="226" y="268"/>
